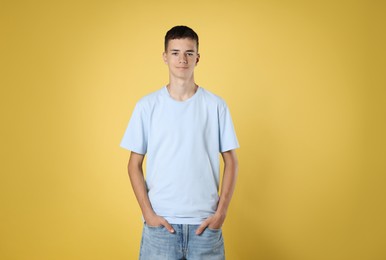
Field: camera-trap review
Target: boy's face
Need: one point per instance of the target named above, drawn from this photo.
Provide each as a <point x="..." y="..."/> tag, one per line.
<point x="181" y="57"/>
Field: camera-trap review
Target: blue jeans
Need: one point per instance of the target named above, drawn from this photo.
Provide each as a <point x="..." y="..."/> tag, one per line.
<point x="159" y="244"/>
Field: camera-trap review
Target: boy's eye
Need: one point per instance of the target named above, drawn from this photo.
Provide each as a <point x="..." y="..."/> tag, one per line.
<point x="174" y="53"/>
<point x="190" y="54"/>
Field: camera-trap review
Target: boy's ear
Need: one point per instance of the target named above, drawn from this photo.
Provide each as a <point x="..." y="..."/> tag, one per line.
<point x="164" y="57"/>
<point x="198" y="58"/>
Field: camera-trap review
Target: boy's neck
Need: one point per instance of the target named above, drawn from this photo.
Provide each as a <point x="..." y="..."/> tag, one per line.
<point x="182" y="90"/>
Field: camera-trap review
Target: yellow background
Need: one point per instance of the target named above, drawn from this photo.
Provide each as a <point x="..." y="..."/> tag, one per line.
<point x="306" y="87"/>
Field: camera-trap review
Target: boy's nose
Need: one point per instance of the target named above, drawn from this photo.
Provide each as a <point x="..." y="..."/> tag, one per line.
<point x="183" y="59"/>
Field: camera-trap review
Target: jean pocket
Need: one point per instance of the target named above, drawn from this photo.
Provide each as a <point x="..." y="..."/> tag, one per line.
<point x="214" y="229"/>
<point x="160" y="226"/>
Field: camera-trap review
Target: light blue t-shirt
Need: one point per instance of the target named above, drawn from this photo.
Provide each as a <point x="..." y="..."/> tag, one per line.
<point x="182" y="141"/>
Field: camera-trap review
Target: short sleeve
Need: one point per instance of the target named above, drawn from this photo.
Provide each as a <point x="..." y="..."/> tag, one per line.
<point x="135" y="137"/>
<point x="228" y="138"/>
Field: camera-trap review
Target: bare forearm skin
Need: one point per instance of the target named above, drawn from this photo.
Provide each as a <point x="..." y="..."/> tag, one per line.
<point x="138" y="183"/>
<point x="139" y="187"/>
<point x="227" y="188"/>
<point x="228" y="182"/>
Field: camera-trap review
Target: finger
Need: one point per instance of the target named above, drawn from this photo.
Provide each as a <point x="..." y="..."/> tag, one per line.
<point x="168" y="226"/>
<point x="201" y="228"/>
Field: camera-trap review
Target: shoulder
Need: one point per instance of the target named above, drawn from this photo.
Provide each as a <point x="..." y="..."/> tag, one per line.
<point x="148" y="101"/>
<point x="214" y="100"/>
<point x="211" y="97"/>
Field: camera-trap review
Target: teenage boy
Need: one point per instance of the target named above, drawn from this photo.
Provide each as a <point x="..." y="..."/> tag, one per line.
<point x="182" y="128"/>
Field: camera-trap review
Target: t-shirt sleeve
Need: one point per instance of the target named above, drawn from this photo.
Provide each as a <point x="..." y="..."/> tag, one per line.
<point x="135" y="137"/>
<point x="228" y="138"/>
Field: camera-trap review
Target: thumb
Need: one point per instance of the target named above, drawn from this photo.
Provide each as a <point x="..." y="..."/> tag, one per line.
<point x="201" y="228"/>
<point x="168" y="226"/>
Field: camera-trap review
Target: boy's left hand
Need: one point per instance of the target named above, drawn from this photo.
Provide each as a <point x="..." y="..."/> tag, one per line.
<point x="213" y="222"/>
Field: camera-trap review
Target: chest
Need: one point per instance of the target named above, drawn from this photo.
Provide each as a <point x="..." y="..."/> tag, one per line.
<point x="188" y="119"/>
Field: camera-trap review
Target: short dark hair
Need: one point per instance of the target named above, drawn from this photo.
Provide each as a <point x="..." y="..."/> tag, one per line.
<point x="180" y="32"/>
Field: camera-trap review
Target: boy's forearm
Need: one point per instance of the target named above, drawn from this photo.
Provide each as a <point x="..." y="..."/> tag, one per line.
<point x="228" y="182"/>
<point x="139" y="187"/>
<point x="227" y="188"/>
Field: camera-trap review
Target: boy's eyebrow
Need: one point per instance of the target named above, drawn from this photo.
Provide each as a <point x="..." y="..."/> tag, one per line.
<point x="179" y="50"/>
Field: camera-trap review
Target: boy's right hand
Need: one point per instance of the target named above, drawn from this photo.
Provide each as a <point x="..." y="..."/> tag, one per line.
<point x="156" y="221"/>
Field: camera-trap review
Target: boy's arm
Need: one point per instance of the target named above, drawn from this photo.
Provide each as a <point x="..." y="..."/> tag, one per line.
<point x="227" y="188"/>
<point x="140" y="191"/>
